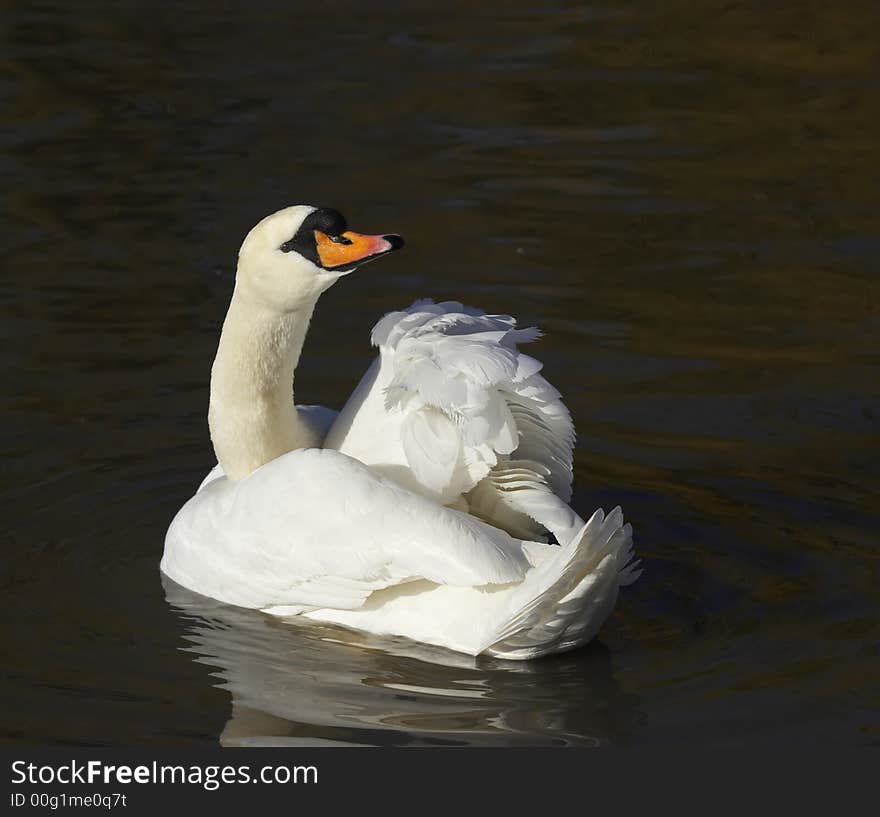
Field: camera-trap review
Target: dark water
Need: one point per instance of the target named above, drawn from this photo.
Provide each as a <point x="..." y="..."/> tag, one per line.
<point x="684" y="196"/>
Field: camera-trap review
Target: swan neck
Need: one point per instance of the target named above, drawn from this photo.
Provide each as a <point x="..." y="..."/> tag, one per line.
<point x="252" y="417"/>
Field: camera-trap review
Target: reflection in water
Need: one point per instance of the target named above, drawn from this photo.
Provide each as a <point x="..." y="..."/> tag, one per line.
<point x="305" y="683"/>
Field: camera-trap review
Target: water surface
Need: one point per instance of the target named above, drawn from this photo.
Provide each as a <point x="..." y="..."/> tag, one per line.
<point x="683" y="196"/>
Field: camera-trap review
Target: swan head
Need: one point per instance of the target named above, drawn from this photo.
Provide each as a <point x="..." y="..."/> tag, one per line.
<point x="292" y="256"/>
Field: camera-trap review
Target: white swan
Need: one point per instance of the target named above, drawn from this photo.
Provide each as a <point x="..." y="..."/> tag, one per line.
<point x="425" y="512"/>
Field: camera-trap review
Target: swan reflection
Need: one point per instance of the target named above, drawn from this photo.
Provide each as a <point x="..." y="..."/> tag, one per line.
<point x="297" y="682"/>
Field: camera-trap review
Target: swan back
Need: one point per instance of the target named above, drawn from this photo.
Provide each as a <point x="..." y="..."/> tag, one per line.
<point x="314" y="528"/>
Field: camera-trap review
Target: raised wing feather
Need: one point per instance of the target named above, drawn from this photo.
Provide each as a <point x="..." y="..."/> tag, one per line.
<point x="450" y="361"/>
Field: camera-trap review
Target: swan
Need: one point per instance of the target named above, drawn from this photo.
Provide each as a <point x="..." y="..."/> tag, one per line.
<point x="427" y="506"/>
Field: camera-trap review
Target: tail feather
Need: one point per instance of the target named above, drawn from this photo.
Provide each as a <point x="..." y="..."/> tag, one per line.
<point x="564" y="600"/>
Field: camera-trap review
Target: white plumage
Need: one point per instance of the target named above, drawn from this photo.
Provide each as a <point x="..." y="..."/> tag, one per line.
<point x="453" y="410"/>
<point x="427" y="510"/>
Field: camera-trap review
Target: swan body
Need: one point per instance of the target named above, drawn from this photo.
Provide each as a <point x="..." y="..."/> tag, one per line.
<point x="423" y="509"/>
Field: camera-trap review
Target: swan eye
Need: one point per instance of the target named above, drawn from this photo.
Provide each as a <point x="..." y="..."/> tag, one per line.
<point x="339" y="239"/>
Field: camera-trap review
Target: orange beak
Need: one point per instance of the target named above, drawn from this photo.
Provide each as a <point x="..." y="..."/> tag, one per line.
<point x="350" y="249"/>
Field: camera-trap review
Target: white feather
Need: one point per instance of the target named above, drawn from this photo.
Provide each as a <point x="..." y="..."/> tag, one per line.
<point x="459" y="363"/>
<point x="316" y="528"/>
